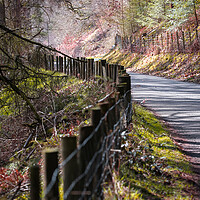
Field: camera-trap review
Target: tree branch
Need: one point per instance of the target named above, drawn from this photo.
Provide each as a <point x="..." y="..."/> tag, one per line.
<point x="36" y="43"/>
<point x="22" y="95"/>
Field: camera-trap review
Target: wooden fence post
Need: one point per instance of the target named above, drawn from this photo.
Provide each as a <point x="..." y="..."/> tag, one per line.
<point x="83" y="68"/>
<point x="46" y="65"/>
<point x="190" y="37"/>
<point x="52" y="62"/>
<point x="68" y="145"/>
<point x="70" y="67"/>
<point x="172" y="42"/>
<point x="177" y="39"/>
<point x="85" y="155"/>
<point x="167" y="41"/>
<point x="162" y="40"/>
<point x="88" y="70"/>
<point x="57" y="63"/>
<point x="61" y="64"/>
<point x="183" y="38"/>
<point x="78" y="68"/>
<point x="65" y="65"/>
<point x="73" y="67"/>
<point x="50" y="165"/>
<point x="92" y="67"/>
<point x="35" y="183"/>
<point x="153" y="44"/>
<point x="96" y="68"/>
<point x="103" y="66"/>
<point x="98" y="138"/>
<point x="126" y="80"/>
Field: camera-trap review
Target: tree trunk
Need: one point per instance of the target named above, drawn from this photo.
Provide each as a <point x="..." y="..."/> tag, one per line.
<point x="196" y="18"/>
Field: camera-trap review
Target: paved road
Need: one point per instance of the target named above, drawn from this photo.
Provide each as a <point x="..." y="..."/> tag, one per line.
<point x="176" y="102"/>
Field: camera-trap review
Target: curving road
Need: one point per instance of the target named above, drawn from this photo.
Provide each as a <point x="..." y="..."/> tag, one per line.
<point x="178" y="103"/>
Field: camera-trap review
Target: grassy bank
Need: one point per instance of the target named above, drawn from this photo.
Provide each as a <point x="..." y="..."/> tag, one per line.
<point x="185" y="67"/>
<point x="152" y="167"/>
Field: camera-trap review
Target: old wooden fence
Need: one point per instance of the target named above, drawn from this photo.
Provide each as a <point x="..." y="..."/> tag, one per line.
<point x="88" y="159"/>
<point x="161" y="41"/>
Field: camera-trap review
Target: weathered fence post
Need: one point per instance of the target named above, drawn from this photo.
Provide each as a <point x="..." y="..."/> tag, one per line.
<point x="65" y="65"/>
<point x="70" y="67"/>
<point x="167" y="41"/>
<point x="68" y="145"/>
<point x="73" y="67"/>
<point x="92" y="67"/>
<point x="88" y="69"/>
<point x="177" y="40"/>
<point x="98" y="138"/>
<point x="50" y="165"/>
<point x="61" y="64"/>
<point x="85" y="156"/>
<point x="96" y="67"/>
<point x="57" y="63"/>
<point x="83" y="68"/>
<point x="35" y="182"/>
<point x="183" y="38"/>
<point x="78" y="68"/>
<point x="162" y="41"/>
<point x="103" y="67"/>
<point x="46" y="65"/>
<point x="125" y="79"/>
<point x="153" y="44"/>
<point x="172" y="42"/>
<point x="190" y="37"/>
<point x="52" y="63"/>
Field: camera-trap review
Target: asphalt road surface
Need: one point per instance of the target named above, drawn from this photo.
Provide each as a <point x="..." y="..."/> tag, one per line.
<point x="178" y="103"/>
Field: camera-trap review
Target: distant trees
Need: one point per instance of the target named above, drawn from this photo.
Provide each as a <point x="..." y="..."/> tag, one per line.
<point x="167" y="14"/>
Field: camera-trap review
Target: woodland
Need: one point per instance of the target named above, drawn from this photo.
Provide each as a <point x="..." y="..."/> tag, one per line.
<point x="38" y="106"/>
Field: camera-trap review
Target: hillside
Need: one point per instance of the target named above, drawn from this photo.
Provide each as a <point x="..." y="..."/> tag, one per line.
<point x="184" y="67"/>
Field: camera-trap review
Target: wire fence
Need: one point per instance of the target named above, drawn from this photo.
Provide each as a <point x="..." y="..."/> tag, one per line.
<point x="89" y="159"/>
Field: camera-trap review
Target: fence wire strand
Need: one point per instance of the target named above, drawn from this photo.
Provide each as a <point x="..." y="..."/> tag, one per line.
<point x="104" y="150"/>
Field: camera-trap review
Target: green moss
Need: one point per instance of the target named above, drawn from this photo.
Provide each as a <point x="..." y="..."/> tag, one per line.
<point x="151" y="165"/>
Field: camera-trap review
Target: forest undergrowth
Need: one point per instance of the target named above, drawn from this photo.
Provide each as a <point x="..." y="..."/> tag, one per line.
<point x="63" y="103"/>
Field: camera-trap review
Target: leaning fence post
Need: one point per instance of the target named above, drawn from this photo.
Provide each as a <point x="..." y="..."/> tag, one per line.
<point x="35" y="182"/>
<point x="50" y="165"/>
<point x="68" y="145"/>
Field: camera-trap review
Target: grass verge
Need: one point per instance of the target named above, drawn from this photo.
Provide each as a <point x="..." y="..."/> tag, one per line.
<point x="152" y="167"/>
<point x="180" y="66"/>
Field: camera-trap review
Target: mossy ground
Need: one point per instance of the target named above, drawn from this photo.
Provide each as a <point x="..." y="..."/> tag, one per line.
<point x="152" y="167"/>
